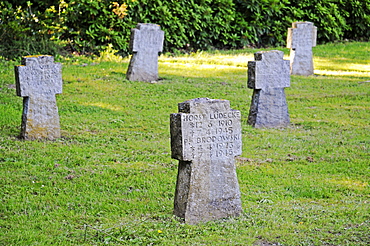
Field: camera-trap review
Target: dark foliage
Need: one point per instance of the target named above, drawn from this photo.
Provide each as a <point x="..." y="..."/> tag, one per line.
<point x="88" y="26"/>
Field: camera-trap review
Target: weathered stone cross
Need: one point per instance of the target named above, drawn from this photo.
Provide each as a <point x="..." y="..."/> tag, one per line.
<point x="301" y="38"/>
<point x="38" y="79"/>
<point x="205" y="138"/>
<point x="268" y="75"/>
<point x="146" y="42"/>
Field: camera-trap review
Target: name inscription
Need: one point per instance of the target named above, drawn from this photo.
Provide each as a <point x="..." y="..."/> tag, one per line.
<point x="40" y="79"/>
<point x="214" y="134"/>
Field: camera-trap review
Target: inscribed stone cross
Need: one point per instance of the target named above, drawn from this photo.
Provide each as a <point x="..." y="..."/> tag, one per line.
<point x="205" y="138"/>
<point x="268" y="75"/>
<point x="38" y="79"/>
<point x="146" y="42"/>
<point x="301" y="38"/>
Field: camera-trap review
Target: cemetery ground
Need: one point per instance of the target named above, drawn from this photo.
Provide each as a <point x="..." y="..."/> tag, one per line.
<point x="110" y="178"/>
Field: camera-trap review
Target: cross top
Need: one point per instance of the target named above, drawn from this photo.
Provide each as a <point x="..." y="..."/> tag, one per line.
<point x="38" y="75"/>
<point x="269" y="70"/>
<point x="209" y="129"/>
<point x="147" y="37"/>
<point x="302" y="35"/>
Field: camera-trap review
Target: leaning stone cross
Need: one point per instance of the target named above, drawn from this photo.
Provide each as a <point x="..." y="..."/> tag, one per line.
<point x="205" y="138"/>
<point x="146" y="42"/>
<point x="301" y="38"/>
<point x="268" y="75"/>
<point x="38" y="79"/>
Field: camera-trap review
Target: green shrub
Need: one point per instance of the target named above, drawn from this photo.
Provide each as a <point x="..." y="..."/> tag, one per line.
<point x="262" y="22"/>
<point x="21" y="33"/>
<point x="327" y="15"/>
<point x="189" y="24"/>
<point x="357" y="14"/>
<point x="89" y="26"/>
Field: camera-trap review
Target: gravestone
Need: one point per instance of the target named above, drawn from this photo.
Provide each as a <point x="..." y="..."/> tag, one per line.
<point x="301" y="38"/>
<point x="38" y="79"/>
<point x="146" y="43"/>
<point x="268" y="75"/>
<point x="205" y="138"/>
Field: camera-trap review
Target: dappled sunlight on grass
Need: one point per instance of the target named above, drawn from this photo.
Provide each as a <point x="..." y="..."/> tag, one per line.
<point x="201" y="70"/>
<point x="240" y="60"/>
<point x="214" y="64"/>
<point x="342" y="59"/>
<point x="103" y="105"/>
<point x="342" y="73"/>
<point x="203" y="66"/>
<point x="218" y="59"/>
<point x="350" y="184"/>
<point x="359" y="67"/>
<point x="338" y="67"/>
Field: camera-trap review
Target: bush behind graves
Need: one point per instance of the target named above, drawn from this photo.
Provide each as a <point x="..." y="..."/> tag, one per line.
<point x="89" y="26"/>
<point x="336" y="20"/>
<point x="21" y="35"/>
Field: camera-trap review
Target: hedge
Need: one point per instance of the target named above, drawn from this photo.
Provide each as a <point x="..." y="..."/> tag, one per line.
<point x="89" y="26"/>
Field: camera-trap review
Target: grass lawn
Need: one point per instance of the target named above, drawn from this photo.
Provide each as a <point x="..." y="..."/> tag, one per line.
<point x="110" y="178"/>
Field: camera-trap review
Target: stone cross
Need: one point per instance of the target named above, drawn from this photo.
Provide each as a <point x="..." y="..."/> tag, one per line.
<point x="301" y="38"/>
<point x="205" y="138"/>
<point x="146" y="42"/>
<point x="268" y="75"/>
<point x="38" y="79"/>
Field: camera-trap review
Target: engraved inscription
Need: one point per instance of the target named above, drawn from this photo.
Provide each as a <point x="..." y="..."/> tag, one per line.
<point x="303" y="38"/>
<point x="211" y="134"/>
<point x="41" y="79"/>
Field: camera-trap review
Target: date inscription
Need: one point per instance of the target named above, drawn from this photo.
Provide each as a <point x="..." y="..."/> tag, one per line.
<point x="214" y="135"/>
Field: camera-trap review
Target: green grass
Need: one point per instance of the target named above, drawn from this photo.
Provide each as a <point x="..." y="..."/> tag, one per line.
<point x="110" y="178"/>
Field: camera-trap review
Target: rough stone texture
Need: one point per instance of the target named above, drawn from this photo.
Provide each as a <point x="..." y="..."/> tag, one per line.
<point x="205" y="138"/>
<point x="301" y="38"/>
<point x="268" y="75"/>
<point x="146" y="42"/>
<point x="38" y="79"/>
